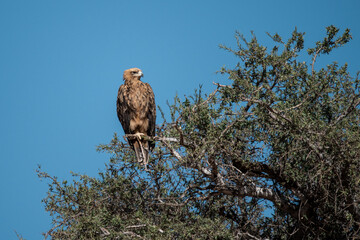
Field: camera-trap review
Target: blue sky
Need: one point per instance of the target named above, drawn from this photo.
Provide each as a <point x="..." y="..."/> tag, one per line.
<point x="61" y="64"/>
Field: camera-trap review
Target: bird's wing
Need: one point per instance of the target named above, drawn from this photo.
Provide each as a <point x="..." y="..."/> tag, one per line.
<point x="151" y="114"/>
<point x="123" y="109"/>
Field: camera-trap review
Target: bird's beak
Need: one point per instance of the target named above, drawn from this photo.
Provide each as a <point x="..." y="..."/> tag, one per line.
<point x="139" y="74"/>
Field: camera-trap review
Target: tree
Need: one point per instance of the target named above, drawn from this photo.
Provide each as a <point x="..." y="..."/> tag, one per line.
<point x="272" y="154"/>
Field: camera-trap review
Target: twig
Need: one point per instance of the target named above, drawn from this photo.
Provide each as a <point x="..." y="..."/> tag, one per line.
<point x="19" y="236"/>
<point x="249" y="236"/>
<point x="307" y="97"/>
<point x="207" y="100"/>
<point x="137" y="226"/>
<point x="105" y="231"/>
<point x="314" y="59"/>
<point x="220" y="85"/>
<point x="352" y="106"/>
<point x="173" y="152"/>
<point x="170" y="204"/>
<point x="178" y="128"/>
<point x="133" y="234"/>
<point x="48" y="233"/>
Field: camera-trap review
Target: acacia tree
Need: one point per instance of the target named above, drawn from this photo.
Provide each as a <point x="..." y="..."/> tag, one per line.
<point x="273" y="153"/>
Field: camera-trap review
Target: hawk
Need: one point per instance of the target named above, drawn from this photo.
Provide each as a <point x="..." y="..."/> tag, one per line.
<point x="136" y="111"/>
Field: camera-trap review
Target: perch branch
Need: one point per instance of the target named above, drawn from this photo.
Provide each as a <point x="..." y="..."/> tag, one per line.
<point x="155" y="138"/>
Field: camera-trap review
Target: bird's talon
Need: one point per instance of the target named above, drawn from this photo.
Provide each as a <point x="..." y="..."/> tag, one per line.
<point x="139" y="135"/>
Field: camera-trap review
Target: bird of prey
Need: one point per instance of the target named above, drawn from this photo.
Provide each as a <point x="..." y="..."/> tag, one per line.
<point x="136" y="111"/>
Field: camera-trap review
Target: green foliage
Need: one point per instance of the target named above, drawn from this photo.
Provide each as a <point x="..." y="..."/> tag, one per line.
<point x="274" y="154"/>
<point x="116" y="206"/>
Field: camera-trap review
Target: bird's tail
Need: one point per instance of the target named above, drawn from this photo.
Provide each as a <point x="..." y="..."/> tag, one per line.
<point x="141" y="148"/>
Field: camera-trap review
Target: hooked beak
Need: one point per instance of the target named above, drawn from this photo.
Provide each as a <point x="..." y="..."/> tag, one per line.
<point x="139" y="74"/>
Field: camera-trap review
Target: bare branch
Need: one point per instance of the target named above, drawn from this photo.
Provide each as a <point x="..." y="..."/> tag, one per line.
<point x="155" y="138"/>
<point x="314" y="59"/>
<point x="48" y="233"/>
<point x="264" y="193"/>
<point x="221" y="85"/>
<point x="354" y="103"/>
<point x="132" y="234"/>
<point x="137" y="226"/>
<point x="206" y="101"/>
<point x="105" y="231"/>
<point x="172" y="151"/>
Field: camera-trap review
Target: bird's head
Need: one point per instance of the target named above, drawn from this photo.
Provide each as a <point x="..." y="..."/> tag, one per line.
<point x="132" y="74"/>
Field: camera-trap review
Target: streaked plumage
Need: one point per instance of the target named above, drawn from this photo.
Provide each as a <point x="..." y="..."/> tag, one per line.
<point x="136" y="111"/>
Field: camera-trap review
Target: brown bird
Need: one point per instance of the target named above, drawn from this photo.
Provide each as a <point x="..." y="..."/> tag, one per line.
<point x="136" y="111"/>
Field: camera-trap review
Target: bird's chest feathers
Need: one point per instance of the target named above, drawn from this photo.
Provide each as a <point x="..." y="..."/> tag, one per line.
<point x="138" y="97"/>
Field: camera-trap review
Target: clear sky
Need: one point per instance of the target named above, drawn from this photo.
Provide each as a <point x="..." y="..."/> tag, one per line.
<point x="61" y="63"/>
